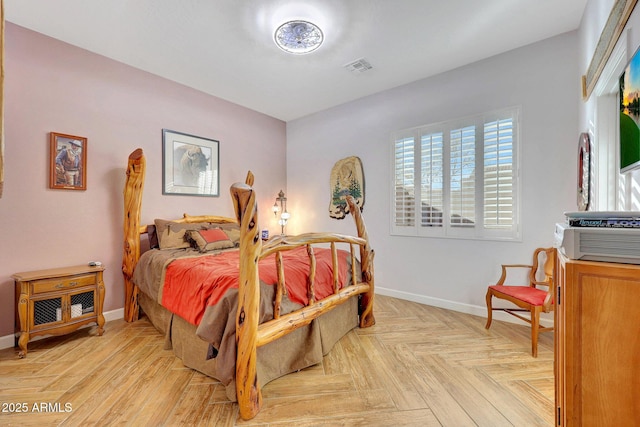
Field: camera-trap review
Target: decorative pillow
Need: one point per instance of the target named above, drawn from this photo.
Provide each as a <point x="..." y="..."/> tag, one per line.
<point x="209" y="240"/>
<point x="232" y="230"/>
<point x="171" y="235"/>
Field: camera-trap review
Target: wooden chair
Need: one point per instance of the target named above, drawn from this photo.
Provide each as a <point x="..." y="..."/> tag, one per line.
<point x="528" y="298"/>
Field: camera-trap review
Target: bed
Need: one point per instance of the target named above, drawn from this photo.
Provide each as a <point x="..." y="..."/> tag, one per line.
<point x="264" y="309"/>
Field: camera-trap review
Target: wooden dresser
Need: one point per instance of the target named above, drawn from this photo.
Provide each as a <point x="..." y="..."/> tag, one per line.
<point x="597" y="343"/>
<point x="57" y="301"/>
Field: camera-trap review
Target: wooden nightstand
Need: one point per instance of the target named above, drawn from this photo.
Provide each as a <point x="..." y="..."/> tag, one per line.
<point x="57" y="301"/>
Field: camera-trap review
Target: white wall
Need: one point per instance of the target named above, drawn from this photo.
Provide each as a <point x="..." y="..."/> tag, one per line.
<point x="598" y="114"/>
<point x="542" y="78"/>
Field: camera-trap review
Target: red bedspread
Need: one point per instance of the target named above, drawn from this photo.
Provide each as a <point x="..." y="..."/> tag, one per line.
<point x="193" y="284"/>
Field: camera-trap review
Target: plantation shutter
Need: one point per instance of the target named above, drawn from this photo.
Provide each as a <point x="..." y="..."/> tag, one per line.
<point x="457" y="179"/>
<point x="431" y="179"/>
<point x="498" y="174"/>
<point x="404" y="189"/>
<point x="462" y="182"/>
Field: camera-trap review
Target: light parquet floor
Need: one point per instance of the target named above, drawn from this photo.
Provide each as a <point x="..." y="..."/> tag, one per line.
<point x="418" y="366"/>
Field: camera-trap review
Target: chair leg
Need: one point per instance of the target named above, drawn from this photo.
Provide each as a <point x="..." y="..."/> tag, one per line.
<point x="489" y="309"/>
<point x="535" y="329"/>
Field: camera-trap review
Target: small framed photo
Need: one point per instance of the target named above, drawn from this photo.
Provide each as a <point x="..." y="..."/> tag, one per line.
<point x="67" y="162"/>
<point x="190" y="165"/>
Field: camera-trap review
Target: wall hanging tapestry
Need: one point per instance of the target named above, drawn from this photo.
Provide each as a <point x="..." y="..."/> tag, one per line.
<point x="347" y="177"/>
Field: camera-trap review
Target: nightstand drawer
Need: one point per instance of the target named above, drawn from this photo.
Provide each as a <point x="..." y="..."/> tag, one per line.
<point x="62" y="283"/>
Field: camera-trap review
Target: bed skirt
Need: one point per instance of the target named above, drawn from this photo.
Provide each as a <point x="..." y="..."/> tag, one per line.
<point x="298" y="350"/>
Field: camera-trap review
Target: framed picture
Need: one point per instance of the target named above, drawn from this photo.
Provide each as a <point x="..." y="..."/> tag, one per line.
<point x="190" y="164"/>
<point x="630" y="115"/>
<point x="67" y="162"/>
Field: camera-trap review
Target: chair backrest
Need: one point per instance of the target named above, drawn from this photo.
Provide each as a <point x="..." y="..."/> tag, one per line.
<point x="544" y="260"/>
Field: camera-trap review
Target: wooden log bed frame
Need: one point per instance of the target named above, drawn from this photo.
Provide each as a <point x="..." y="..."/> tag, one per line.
<point x="249" y="334"/>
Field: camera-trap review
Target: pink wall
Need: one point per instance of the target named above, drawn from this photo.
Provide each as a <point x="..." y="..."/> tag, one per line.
<point x="51" y="86"/>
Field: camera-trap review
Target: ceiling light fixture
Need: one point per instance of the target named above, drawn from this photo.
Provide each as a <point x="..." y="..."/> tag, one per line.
<point x="298" y="37"/>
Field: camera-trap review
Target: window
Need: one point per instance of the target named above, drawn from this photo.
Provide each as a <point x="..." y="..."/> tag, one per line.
<point x="458" y="178"/>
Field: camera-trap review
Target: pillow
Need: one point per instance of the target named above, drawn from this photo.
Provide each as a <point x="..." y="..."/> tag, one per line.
<point x="171" y="235"/>
<point x="232" y="230"/>
<point x="209" y="240"/>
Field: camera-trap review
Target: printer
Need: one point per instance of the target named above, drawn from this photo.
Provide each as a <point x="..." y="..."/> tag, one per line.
<point x="605" y="236"/>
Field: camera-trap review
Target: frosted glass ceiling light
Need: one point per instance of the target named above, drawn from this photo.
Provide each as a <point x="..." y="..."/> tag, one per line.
<point x="298" y="37"/>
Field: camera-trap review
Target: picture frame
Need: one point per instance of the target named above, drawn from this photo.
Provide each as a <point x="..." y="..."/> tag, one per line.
<point x="190" y="164"/>
<point x="629" y="116"/>
<point x="67" y="161"/>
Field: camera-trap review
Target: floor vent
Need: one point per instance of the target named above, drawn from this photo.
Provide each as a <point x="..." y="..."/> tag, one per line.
<point x="358" y="66"/>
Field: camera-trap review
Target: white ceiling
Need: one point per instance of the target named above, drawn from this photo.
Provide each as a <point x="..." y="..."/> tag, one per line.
<point x="225" y="47"/>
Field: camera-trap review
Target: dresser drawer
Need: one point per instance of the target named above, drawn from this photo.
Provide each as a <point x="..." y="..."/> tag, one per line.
<point x="62" y="283"/>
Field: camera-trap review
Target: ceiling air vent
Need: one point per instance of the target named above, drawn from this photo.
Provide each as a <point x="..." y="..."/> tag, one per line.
<point x="358" y="66"/>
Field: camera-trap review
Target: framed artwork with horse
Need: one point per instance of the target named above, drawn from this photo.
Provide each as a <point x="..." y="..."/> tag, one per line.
<point x="190" y="164"/>
<point x="67" y="162"/>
